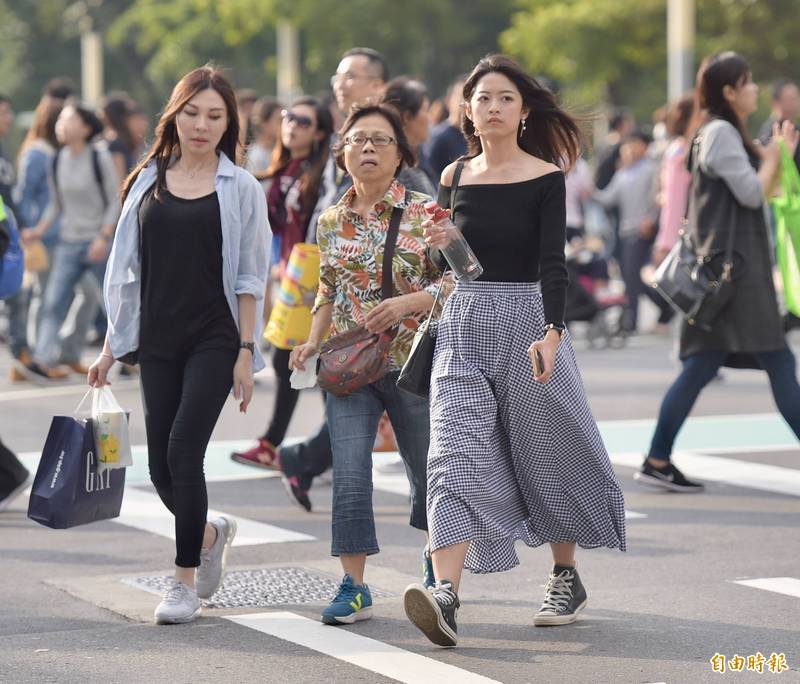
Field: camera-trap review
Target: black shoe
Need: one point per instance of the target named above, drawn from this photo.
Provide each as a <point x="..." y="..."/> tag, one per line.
<point x="564" y="598"/>
<point x="294" y="489"/>
<point x="434" y="611"/>
<point x="668" y="477"/>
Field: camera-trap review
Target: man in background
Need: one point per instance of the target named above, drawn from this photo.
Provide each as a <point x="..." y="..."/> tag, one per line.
<point x="447" y="142"/>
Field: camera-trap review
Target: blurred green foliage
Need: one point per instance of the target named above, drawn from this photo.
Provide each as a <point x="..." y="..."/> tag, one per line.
<point x="615" y="51"/>
<point x="598" y="51"/>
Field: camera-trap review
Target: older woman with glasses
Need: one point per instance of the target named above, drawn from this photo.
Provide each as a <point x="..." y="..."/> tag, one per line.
<point x="352" y="239"/>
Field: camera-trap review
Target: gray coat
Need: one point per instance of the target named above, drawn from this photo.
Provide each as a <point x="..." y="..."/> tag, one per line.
<point x="726" y="194"/>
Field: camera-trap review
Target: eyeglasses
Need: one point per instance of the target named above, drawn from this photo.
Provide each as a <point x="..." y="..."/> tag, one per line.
<point x="379" y="140"/>
<point x="349" y="77"/>
<point x="299" y="119"/>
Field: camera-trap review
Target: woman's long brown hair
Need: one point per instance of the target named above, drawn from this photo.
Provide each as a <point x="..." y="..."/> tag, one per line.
<point x="44" y="124"/>
<point x="166" y="145"/>
<point x="550" y="132"/>
<point x="314" y="168"/>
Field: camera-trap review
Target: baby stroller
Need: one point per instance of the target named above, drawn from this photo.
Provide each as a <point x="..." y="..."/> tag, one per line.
<point x="602" y="312"/>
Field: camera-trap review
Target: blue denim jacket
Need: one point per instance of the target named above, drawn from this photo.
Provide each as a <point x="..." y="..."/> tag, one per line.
<point x="246" y="238"/>
<point x="32" y="192"/>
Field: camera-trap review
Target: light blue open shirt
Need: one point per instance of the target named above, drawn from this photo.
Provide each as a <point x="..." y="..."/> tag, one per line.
<point x="246" y="240"/>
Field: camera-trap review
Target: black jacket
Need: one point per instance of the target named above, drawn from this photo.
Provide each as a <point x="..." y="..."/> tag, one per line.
<point x="751" y="322"/>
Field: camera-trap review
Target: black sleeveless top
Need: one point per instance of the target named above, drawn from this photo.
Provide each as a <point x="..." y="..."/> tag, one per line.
<point x="517" y="231"/>
<point x="184" y="308"/>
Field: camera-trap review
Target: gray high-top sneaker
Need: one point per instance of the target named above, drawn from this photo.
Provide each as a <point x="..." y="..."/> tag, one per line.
<point x="213" y="560"/>
<point x="180" y="604"/>
<point x="564" y="598"/>
<point x="434" y="611"/>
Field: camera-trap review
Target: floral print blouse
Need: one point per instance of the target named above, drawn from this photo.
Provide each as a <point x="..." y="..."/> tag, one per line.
<point x="351" y="259"/>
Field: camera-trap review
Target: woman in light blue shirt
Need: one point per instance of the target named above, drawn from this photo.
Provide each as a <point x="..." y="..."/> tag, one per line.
<point x="31" y="198"/>
<point x="187" y="268"/>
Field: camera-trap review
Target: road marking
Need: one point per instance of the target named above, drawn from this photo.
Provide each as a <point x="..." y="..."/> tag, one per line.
<point x="145" y="511"/>
<point x="58" y="390"/>
<point x="724" y="417"/>
<point x="780" y="585"/>
<point x="218" y="465"/>
<point x="369" y="654"/>
<point x="767" y="478"/>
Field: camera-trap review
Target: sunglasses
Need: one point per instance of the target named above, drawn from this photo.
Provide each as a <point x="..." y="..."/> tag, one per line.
<point x="299" y="119"/>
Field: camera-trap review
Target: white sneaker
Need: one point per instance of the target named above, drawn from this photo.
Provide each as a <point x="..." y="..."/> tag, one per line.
<point x="180" y="604"/>
<point x="213" y="560"/>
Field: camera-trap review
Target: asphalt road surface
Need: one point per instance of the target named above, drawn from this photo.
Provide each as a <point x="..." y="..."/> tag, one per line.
<point x="715" y="574"/>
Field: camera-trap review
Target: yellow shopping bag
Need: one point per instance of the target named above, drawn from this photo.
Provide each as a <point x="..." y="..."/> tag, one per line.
<point x="290" y="321"/>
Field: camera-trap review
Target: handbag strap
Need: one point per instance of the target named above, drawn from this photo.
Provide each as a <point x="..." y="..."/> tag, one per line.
<point x="427" y="323"/>
<point x="388" y="249"/>
<point x="454" y="187"/>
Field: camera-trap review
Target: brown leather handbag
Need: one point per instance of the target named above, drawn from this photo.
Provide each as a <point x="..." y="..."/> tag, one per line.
<point x="356" y="358"/>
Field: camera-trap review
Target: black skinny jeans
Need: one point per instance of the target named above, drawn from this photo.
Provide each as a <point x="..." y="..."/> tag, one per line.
<point x="182" y="402"/>
<point x="285" y="398"/>
<point x="635" y="253"/>
<point x="307" y="459"/>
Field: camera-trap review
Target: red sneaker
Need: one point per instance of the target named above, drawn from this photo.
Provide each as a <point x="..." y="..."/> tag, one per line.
<point x="262" y="455"/>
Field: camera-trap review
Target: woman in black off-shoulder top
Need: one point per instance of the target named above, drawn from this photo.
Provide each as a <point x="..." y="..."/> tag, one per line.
<point x="513" y="455"/>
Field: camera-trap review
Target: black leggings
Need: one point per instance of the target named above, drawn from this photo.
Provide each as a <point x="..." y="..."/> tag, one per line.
<point x="285" y="399"/>
<point x="182" y="402"/>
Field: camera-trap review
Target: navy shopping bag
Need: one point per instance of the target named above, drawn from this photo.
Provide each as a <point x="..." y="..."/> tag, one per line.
<point x="67" y="490"/>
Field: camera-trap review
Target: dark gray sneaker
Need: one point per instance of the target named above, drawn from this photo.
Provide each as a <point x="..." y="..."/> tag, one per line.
<point x="667" y="477"/>
<point x="564" y="598"/>
<point x="213" y="560"/>
<point x="433" y="610"/>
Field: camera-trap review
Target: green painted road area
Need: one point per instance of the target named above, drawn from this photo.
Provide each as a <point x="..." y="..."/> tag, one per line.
<point x="735" y="432"/>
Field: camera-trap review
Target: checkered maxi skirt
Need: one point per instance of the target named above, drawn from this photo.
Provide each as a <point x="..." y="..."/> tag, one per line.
<point x="510" y="458"/>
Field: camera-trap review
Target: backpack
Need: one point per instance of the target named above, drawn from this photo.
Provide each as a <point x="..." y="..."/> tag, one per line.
<point x="98" y="172"/>
<point x="12" y="262"/>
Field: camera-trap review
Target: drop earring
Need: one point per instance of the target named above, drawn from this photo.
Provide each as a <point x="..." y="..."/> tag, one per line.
<point x="522" y="128"/>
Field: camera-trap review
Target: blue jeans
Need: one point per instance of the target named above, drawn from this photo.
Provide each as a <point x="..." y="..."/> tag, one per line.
<point x="70" y="263"/>
<point x="699" y="369"/>
<point x="18" y="306"/>
<point x="353" y="424"/>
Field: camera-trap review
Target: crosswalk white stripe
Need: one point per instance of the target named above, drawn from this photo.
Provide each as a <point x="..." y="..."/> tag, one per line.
<point x="780" y="585"/>
<point x="767" y="478"/>
<point x="144" y="511"/>
<point x="375" y="656"/>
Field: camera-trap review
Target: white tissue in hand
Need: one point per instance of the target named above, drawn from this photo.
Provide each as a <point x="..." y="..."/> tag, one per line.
<point x="307" y="378"/>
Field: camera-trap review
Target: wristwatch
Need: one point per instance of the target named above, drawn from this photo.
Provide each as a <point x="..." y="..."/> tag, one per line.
<point x="250" y="346"/>
<point x="560" y="329"/>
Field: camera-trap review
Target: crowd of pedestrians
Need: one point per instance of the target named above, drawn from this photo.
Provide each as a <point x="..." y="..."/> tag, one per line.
<point x="169" y="253"/>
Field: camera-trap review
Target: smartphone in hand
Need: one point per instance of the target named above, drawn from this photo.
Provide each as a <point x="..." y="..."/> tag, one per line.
<point x="538" y="362"/>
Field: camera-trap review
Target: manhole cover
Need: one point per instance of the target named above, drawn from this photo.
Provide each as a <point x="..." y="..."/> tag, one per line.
<point x="260" y="588"/>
